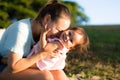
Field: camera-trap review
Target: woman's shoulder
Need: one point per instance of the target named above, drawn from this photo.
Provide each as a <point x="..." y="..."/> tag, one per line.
<point x="27" y="20"/>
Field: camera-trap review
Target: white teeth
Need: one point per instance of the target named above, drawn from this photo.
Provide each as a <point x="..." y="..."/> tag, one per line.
<point x="64" y="38"/>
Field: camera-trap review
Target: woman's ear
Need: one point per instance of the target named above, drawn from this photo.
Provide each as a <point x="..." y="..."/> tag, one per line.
<point x="47" y="19"/>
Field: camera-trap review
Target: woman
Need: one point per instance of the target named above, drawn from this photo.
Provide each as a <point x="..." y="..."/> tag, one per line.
<point x="19" y="37"/>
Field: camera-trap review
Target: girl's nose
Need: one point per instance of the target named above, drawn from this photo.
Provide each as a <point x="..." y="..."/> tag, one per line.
<point x="67" y="37"/>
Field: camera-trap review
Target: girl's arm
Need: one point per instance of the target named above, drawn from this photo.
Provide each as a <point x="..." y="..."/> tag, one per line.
<point x="50" y="47"/>
<point x="53" y="48"/>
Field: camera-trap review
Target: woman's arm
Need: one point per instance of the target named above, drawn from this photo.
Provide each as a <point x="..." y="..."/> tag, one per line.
<point x="42" y="41"/>
<point x="43" y="37"/>
<point x="16" y="63"/>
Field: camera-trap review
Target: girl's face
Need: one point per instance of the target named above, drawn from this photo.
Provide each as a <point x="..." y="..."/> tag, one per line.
<point x="60" y="25"/>
<point x="70" y="38"/>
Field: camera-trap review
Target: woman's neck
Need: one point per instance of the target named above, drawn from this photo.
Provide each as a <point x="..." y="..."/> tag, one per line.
<point x="36" y="30"/>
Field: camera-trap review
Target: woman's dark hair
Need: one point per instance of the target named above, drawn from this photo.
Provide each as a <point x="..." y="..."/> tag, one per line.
<point x="54" y="9"/>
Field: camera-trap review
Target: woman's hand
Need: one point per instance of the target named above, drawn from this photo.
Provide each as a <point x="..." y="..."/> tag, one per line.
<point x="45" y="29"/>
<point x="43" y="36"/>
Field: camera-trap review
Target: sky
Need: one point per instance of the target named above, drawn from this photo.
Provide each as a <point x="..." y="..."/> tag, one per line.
<point x="101" y="12"/>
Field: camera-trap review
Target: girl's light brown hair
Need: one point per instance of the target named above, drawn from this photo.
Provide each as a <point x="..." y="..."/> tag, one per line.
<point x="82" y="47"/>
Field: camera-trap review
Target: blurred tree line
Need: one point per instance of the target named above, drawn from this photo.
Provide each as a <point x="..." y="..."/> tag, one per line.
<point x="12" y="10"/>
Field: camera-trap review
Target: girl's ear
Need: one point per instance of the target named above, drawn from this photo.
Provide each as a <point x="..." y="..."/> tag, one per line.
<point x="47" y="19"/>
<point x="71" y="48"/>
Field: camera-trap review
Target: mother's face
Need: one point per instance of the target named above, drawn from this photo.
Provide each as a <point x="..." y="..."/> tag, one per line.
<point x="60" y="25"/>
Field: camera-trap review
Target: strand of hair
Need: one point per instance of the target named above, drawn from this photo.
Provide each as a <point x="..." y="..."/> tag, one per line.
<point x="52" y="1"/>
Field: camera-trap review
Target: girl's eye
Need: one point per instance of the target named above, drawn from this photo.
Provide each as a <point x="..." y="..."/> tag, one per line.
<point x="70" y="36"/>
<point x="71" y="40"/>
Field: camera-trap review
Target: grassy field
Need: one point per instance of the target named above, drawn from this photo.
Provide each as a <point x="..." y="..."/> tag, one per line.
<point x="103" y="59"/>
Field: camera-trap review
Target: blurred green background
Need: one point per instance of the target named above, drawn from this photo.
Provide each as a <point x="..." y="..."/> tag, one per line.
<point x="12" y="10"/>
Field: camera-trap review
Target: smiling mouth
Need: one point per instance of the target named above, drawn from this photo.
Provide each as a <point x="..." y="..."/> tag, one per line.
<point x="63" y="38"/>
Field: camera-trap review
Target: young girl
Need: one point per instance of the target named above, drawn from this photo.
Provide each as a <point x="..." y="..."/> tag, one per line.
<point x="69" y="39"/>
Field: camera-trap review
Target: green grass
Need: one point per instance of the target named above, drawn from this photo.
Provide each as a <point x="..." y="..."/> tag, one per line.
<point x="103" y="59"/>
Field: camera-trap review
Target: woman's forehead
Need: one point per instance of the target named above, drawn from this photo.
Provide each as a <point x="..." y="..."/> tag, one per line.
<point x="63" y="23"/>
